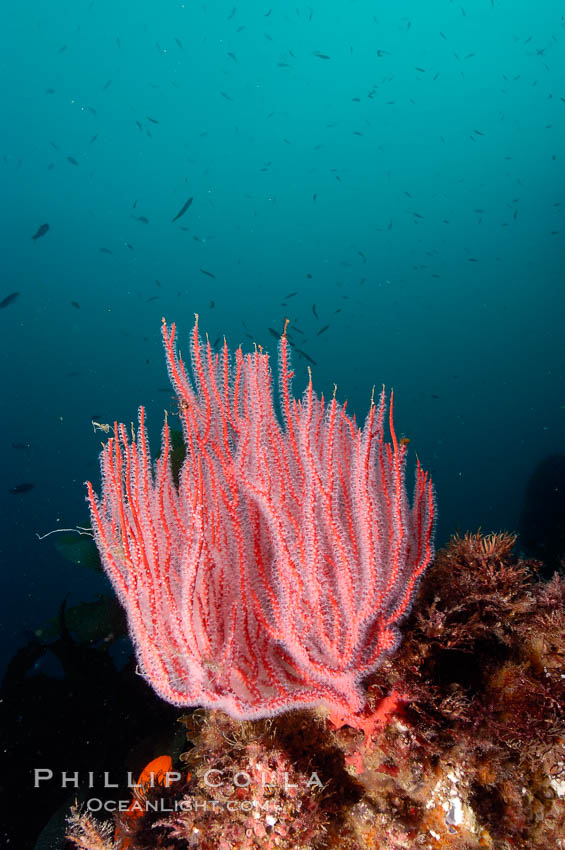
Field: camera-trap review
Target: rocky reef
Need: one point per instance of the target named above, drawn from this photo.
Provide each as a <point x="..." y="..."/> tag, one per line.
<point x="462" y="747"/>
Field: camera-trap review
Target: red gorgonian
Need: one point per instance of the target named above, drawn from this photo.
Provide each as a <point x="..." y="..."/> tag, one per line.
<point x="274" y="574"/>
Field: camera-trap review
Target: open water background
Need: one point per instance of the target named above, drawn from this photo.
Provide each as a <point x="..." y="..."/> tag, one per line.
<point x="399" y="166"/>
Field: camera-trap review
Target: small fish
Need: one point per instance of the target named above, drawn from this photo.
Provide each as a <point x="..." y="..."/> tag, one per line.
<point x="322" y="330"/>
<point x="232" y="56"/>
<point x="227" y="97"/>
<point x="41" y="231"/>
<point x="9" y="299"/>
<point x="75" y="304"/>
<point x="140" y="128"/>
<point x="314" y="310"/>
<point x="141" y="218"/>
<point x="127" y="244"/>
<point x="212" y="305"/>
<point x="182" y="210"/>
<point x="179" y="43"/>
<point x="274" y="333"/>
<point x="153" y="120"/>
<point x="21" y="446"/>
<point x="72" y="160"/>
<point x="93" y="138"/>
<point x="105" y="251"/>
<point x="321" y="55"/>
<point x="209" y="274"/>
<point x="291" y="294"/>
<point x="107" y="85"/>
<point x="153" y="298"/>
<point x="306" y="356"/>
<point x="21" y="488"/>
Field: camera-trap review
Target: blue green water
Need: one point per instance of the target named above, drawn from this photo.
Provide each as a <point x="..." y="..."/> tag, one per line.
<point x="399" y="166"/>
